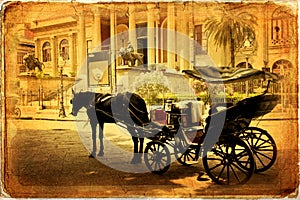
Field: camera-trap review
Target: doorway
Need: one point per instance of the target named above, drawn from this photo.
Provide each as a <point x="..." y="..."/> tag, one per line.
<point x="142" y="48"/>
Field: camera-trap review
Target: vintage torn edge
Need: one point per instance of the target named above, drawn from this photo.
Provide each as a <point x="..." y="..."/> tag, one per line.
<point x="49" y="48"/>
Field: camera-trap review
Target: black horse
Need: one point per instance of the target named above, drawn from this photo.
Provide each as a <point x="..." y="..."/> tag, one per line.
<point x="128" y="108"/>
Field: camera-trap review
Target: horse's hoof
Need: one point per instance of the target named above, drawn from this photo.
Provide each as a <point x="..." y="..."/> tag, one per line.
<point x="92" y="155"/>
<point x="101" y="153"/>
<point x="133" y="161"/>
<point x="136" y="160"/>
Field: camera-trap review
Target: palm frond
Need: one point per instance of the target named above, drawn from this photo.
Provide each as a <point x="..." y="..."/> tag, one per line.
<point x="230" y="29"/>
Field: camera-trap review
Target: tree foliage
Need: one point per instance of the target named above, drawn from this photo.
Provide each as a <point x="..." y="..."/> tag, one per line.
<point x="150" y="84"/>
<point x="231" y="30"/>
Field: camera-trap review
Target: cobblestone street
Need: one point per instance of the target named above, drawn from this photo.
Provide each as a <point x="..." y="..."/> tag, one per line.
<point x="48" y="159"/>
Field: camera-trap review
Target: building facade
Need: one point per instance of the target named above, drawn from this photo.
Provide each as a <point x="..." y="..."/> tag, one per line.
<point x="169" y="34"/>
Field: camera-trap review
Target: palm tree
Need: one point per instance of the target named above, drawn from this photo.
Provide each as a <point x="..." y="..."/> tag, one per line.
<point x="231" y="29"/>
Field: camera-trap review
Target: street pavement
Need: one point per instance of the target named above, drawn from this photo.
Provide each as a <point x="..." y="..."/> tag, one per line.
<point x="48" y="156"/>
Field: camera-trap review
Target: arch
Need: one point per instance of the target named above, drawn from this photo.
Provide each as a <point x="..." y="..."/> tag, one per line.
<point x="280" y="66"/>
<point x="289" y="84"/>
<point x="64" y="49"/>
<point x="243" y="65"/>
<point x="122" y="35"/>
<point x="46" y="51"/>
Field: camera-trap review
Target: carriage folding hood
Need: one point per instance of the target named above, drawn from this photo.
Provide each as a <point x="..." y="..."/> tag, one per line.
<point x="220" y="75"/>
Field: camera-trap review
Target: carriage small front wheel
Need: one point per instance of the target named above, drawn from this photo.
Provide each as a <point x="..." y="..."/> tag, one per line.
<point x="157" y="157"/>
<point x="189" y="157"/>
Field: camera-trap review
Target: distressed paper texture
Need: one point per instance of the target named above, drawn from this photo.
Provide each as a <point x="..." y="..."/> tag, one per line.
<point x="44" y="156"/>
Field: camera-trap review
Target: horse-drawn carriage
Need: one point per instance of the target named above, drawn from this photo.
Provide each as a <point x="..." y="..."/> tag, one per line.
<point x="231" y="150"/>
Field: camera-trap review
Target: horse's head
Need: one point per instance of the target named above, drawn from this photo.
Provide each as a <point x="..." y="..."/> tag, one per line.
<point x="78" y="101"/>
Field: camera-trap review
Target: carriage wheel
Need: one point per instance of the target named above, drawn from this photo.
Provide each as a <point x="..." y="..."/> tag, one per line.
<point x="263" y="147"/>
<point x="183" y="153"/>
<point x="157" y="157"/>
<point x="187" y="158"/>
<point x="230" y="162"/>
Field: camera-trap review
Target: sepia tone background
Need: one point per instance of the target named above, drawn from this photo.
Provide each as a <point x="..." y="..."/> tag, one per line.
<point x="42" y="155"/>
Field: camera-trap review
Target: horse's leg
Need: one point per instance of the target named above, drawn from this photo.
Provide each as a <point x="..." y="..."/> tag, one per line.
<point x="133" y="62"/>
<point x="93" y="126"/>
<point x="141" y="146"/>
<point x="136" y="158"/>
<point x="130" y="61"/>
<point x="101" y="152"/>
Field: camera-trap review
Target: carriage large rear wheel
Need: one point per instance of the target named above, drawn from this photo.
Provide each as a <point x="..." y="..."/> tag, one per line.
<point x="263" y="147"/>
<point x="230" y="162"/>
<point x="157" y="157"/>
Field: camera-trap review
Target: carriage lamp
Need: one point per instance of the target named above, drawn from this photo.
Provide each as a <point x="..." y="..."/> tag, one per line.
<point x="61" y="64"/>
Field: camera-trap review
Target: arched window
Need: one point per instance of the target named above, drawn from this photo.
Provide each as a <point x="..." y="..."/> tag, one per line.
<point x="283" y="26"/>
<point x="64" y="49"/>
<point x="288" y="86"/>
<point x="46" y="52"/>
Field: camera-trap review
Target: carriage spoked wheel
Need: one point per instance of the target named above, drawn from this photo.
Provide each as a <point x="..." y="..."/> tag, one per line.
<point x="230" y="162"/>
<point x="157" y="157"/>
<point x="188" y="158"/>
<point x="263" y="147"/>
<point x="185" y="153"/>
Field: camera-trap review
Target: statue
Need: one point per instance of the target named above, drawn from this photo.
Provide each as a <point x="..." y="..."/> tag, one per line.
<point x="31" y="62"/>
<point x="128" y="54"/>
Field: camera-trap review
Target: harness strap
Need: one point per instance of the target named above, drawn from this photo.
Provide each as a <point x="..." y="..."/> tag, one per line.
<point x="133" y="105"/>
<point x="117" y="119"/>
<point x="95" y="100"/>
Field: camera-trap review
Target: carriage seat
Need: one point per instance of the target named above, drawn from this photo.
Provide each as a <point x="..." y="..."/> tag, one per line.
<point x="193" y="134"/>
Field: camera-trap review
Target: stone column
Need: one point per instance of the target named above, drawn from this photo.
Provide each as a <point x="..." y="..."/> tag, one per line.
<point x="171" y="36"/>
<point x="265" y="34"/>
<point x="97" y="30"/>
<point x="150" y="34"/>
<point x="71" y="53"/>
<point x="82" y="46"/>
<point x="191" y="35"/>
<point x="156" y="42"/>
<point x="37" y="49"/>
<point x="132" y="26"/>
<point x="183" y="42"/>
<point x="113" y="48"/>
<point x="54" y="54"/>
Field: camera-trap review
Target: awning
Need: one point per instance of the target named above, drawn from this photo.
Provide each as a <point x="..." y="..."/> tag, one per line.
<point x="212" y="74"/>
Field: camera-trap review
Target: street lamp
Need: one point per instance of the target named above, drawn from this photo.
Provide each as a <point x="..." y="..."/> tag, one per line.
<point x="61" y="64"/>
